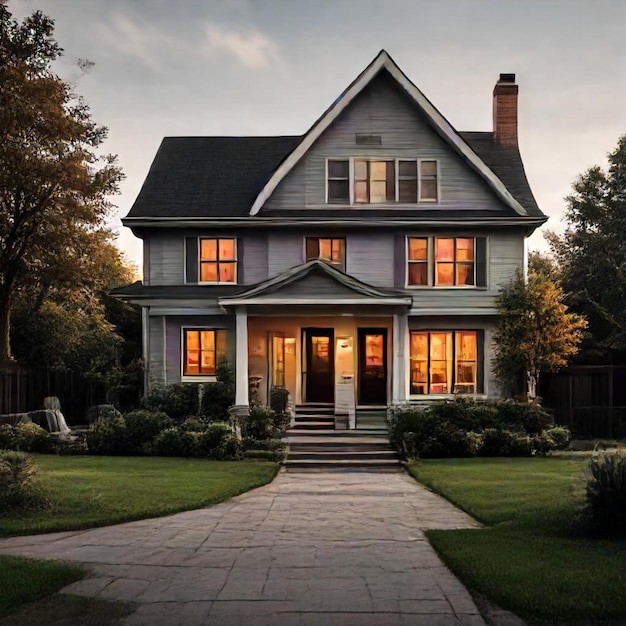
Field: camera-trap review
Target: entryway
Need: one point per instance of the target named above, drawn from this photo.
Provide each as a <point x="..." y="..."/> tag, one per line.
<point x="319" y="364"/>
<point x="372" y="388"/>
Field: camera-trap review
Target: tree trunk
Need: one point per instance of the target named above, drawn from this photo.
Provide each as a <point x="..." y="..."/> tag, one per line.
<point x="5" y="327"/>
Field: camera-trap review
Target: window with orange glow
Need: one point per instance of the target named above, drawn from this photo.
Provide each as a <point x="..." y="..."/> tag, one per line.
<point x="218" y="260"/>
<point x="444" y="362"/>
<point x="329" y="250"/>
<point x="455" y="261"/>
<point x="202" y="348"/>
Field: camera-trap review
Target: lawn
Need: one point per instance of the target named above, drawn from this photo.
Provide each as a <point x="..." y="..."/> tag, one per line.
<point x="531" y="559"/>
<point x="98" y="491"/>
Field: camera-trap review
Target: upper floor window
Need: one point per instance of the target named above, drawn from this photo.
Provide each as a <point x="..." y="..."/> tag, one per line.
<point x="218" y="260"/>
<point x="370" y="181"/>
<point x="444" y="362"/>
<point x="202" y="347"/>
<point x="330" y="250"/>
<point x="442" y="261"/>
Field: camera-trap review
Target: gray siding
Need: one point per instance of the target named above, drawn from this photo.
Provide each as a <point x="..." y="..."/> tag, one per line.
<point x="506" y="255"/>
<point x="370" y="257"/>
<point x="284" y="251"/>
<point x="255" y="258"/>
<point x="315" y="285"/>
<point x="381" y="110"/>
<point x="167" y="259"/>
<point x="155" y="350"/>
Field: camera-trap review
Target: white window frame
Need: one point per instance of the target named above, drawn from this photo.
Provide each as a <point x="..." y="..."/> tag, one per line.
<point x="432" y="263"/>
<point x="197" y="378"/>
<point x="235" y="262"/>
<point x="395" y="160"/>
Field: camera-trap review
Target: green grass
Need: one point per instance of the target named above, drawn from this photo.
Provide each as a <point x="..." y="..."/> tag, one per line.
<point x="532" y="559"/>
<point x="23" y="581"/>
<point x="98" y="491"/>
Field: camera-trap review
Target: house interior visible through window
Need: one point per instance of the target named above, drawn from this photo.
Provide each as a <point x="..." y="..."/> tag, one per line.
<point x="443" y="362"/>
<point x="329" y="250"/>
<point x="202" y="347"/>
<point x="218" y="261"/>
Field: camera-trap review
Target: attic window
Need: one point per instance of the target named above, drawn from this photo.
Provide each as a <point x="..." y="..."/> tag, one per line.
<point x="369" y="140"/>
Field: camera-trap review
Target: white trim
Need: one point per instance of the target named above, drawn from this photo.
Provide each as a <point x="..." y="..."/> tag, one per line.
<point x="421" y="200"/>
<point x="196" y="378"/>
<point x="383" y="60"/>
<point x="320" y="301"/>
<point x="241" y="359"/>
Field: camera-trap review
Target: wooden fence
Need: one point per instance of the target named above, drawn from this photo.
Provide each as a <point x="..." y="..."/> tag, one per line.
<point x="23" y="389"/>
<point x="589" y="399"/>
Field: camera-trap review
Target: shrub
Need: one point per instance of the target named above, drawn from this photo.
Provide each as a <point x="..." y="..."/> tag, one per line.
<point x="173" y="442"/>
<point x="279" y="399"/>
<point x="523" y="416"/>
<point x="259" y="423"/>
<point x="18" y="491"/>
<point x="142" y="426"/>
<point x="501" y="442"/>
<point x="177" y="401"/>
<point x="561" y="437"/>
<point x="605" y="506"/>
<point x="74" y="445"/>
<point x="216" y="398"/>
<point x="98" y="411"/>
<point x="543" y="443"/>
<point x="218" y="442"/>
<point x="7" y="437"/>
<point x="194" y="425"/>
<point x="108" y="436"/>
<point x="33" y="438"/>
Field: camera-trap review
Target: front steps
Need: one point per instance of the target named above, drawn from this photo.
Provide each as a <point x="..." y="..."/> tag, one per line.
<point x="315" y="445"/>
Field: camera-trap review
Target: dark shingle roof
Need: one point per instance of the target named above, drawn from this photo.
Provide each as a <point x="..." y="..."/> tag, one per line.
<point x="209" y="176"/>
<point x="193" y="177"/>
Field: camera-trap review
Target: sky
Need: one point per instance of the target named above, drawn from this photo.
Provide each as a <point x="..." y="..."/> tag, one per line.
<point x="271" y="67"/>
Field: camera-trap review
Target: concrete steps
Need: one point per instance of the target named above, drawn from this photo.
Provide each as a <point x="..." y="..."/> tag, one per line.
<point x="315" y="446"/>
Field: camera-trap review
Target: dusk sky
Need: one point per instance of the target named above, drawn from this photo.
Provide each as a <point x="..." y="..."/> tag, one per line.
<point x="271" y="67"/>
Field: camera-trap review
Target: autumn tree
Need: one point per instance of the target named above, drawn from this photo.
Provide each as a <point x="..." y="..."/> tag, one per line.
<point x="535" y="331"/>
<point x="592" y="251"/>
<point x="54" y="183"/>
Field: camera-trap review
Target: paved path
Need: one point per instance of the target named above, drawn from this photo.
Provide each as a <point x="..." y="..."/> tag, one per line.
<point x="308" y="549"/>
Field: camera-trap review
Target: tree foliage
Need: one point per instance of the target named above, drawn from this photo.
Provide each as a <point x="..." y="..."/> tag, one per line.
<point x="592" y="251"/>
<point x="535" y="331"/>
<point x="54" y="183"/>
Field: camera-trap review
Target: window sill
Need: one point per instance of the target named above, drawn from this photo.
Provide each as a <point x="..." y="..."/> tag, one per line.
<point x="451" y="287"/>
<point x="209" y="283"/>
<point x="447" y="396"/>
<point x="208" y="378"/>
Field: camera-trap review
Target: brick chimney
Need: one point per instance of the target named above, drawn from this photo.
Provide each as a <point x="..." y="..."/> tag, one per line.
<point x="505" y="110"/>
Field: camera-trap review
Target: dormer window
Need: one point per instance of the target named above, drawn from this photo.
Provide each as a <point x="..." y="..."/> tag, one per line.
<point x="371" y="181"/>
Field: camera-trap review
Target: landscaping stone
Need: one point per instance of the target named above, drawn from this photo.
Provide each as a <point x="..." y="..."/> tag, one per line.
<point x="307" y="549"/>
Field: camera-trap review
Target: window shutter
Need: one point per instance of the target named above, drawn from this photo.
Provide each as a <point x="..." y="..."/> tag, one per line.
<point x="220" y="345"/>
<point x="480" y="361"/>
<point x="399" y="261"/>
<point x="481" y="261"/>
<point x="312" y="248"/>
<point x="240" y="275"/>
<point x="191" y="260"/>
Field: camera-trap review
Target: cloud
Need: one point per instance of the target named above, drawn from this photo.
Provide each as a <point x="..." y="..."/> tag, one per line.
<point x="252" y="49"/>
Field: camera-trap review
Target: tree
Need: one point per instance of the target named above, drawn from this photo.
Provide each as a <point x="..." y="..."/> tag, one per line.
<point x="535" y="331"/>
<point x="592" y="252"/>
<point x="54" y="185"/>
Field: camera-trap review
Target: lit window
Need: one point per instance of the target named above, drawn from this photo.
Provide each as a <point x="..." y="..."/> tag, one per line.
<point x="374" y="181"/>
<point x="454" y="261"/>
<point x="202" y="348"/>
<point x="444" y="362"/>
<point x="329" y="250"/>
<point x="218" y="260"/>
<point x="418" y="261"/>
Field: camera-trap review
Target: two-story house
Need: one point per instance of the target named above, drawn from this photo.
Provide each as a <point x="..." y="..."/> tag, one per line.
<point x="367" y="252"/>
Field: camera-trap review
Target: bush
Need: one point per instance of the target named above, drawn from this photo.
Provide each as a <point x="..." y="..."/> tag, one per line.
<point x="605" y="506"/>
<point x="527" y="417"/>
<point x="98" y="411"/>
<point x="173" y="442"/>
<point x="194" y="425"/>
<point x="7" y="437"/>
<point x="216" y="398"/>
<point x="18" y="491"/>
<point x="561" y="437"/>
<point x="502" y="442"/>
<point x="260" y="423"/>
<point x="142" y="426"/>
<point x="279" y="399"/>
<point x="74" y="445"/>
<point x="33" y="438"/>
<point x="177" y="401"/>
<point x="218" y="442"/>
<point x="108" y="436"/>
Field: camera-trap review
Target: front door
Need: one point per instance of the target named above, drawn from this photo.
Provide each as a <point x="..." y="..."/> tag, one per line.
<point x="319" y="366"/>
<point x="372" y="366"/>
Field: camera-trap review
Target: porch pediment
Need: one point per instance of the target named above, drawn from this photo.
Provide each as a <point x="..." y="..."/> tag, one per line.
<point x="315" y="282"/>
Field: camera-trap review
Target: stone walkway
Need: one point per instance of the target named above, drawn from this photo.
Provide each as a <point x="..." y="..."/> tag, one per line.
<point x="308" y="549"/>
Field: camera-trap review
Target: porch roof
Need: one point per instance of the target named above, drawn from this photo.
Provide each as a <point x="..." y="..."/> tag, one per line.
<point x="316" y="282"/>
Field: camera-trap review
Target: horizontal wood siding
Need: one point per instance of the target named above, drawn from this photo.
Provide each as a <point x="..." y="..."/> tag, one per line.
<point x="255" y="258"/>
<point x="155" y="351"/>
<point x="167" y="259"/>
<point x="453" y="299"/>
<point x="370" y="258"/>
<point x="405" y="133"/>
<point x="315" y="285"/>
<point x="506" y="255"/>
<point x="284" y="251"/>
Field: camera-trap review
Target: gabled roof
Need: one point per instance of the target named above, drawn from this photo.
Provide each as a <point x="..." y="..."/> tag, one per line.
<point x="384" y="62"/>
<point x="349" y="289"/>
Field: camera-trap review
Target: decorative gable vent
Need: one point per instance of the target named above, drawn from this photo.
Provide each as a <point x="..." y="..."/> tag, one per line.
<point x="369" y="140"/>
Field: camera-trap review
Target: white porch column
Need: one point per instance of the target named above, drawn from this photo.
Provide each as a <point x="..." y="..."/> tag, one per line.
<point x="241" y="363"/>
<point x="400" y="377"/>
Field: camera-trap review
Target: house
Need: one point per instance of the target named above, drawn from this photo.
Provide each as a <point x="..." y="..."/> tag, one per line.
<point x="357" y="264"/>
